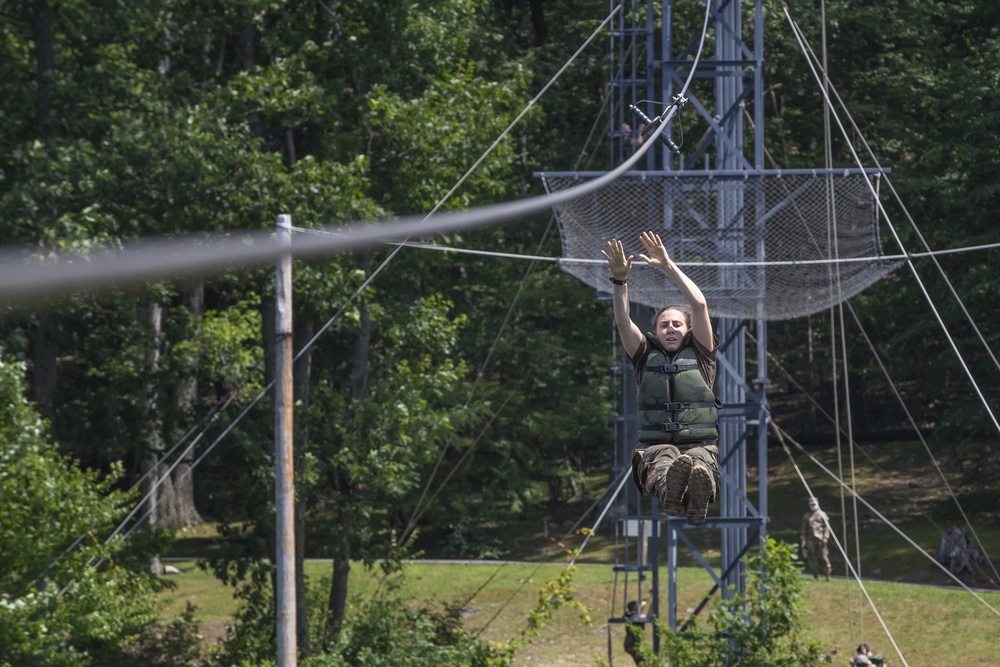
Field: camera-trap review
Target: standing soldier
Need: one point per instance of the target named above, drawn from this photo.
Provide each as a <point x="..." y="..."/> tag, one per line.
<point x="815" y="533"/>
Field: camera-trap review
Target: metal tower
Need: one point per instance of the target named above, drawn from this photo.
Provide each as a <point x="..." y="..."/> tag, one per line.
<point x="706" y="191"/>
<point x="650" y="60"/>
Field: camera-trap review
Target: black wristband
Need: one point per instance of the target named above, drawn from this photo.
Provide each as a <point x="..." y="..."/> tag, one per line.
<point x="615" y="281"/>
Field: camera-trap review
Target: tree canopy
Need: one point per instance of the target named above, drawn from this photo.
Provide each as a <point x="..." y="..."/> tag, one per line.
<point x="120" y="121"/>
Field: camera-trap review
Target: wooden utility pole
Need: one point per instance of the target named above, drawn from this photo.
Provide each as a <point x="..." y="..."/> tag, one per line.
<point x="284" y="487"/>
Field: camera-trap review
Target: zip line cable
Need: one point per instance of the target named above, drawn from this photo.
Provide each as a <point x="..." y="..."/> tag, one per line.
<point x="840" y="547"/>
<point x="586" y="260"/>
<point x="340" y="236"/>
<point x="800" y="38"/>
<point x="162" y="257"/>
<point x="663" y="120"/>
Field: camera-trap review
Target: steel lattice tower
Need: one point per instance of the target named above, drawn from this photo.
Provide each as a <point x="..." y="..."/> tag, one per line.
<point x="651" y="60"/>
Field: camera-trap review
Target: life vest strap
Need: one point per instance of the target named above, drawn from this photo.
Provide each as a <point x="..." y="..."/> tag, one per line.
<point x="670" y="427"/>
<point x="676" y="367"/>
<point x="673" y="407"/>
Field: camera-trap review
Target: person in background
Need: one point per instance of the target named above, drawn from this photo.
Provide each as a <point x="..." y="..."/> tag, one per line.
<point x="815" y="532"/>
<point x="865" y="657"/>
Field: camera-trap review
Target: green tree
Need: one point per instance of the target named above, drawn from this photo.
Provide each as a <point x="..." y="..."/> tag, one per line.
<point x="65" y="594"/>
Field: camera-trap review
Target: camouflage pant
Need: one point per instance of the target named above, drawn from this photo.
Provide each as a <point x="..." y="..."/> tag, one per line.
<point x="816" y="554"/>
<point x="650" y="463"/>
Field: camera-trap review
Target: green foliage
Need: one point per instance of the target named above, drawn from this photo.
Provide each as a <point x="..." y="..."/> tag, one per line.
<point x="761" y="627"/>
<point x="65" y="594"/>
<point x="385" y="631"/>
<point x="374" y="454"/>
<point x="382" y="629"/>
<point x="555" y="594"/>
<point x="212" y="117"/>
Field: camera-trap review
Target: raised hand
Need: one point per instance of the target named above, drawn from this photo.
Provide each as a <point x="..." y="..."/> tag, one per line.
<point x="656" y="254"/>
<point x="619" y="263"/>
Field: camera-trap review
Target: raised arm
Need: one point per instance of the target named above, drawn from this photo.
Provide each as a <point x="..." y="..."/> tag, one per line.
<point x="620" y="266"/>
<point x="701" y="322"/>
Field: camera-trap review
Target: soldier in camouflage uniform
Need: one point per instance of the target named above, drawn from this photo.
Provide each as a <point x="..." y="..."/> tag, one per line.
<point x="678" y="453"/>
<point x="815" y="532"/>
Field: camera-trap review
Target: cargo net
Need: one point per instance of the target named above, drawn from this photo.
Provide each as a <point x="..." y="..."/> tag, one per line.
<point x="759" y="247"/>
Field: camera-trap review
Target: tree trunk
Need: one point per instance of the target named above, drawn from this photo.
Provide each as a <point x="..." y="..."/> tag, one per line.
<point x="151" y="316"/>
<point x="178" y="510"/>
<point x="44" y="369"/>
<point x="39" y="15"/>
<point x="359" y="379"/>
<point x="302" y="373"/>
<point x="337" y="603"/>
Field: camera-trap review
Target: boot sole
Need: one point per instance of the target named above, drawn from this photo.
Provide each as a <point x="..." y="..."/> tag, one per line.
<point x="676" y="483"/>
<point x="700" y="491"/>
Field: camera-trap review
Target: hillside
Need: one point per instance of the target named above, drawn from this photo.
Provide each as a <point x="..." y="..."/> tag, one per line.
<point x="896" y="478"/>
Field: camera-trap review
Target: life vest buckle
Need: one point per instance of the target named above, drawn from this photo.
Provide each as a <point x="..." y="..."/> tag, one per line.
<point x="671" y="427"/>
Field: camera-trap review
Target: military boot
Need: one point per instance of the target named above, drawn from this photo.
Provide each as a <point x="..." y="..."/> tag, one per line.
<point x="701" y="490"/>
<point x="672" y="485"/>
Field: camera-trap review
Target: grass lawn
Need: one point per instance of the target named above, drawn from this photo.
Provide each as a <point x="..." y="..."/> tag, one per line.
<point x="931" y="625"/>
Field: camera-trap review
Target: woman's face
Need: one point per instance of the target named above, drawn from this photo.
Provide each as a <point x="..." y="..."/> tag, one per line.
<point x="671" y="327"/>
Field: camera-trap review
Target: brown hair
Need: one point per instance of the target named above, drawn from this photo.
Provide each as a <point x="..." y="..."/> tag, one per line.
<point x="684" y="309"/>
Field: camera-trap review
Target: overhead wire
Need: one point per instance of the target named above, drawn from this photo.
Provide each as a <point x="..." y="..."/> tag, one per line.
<point x="915" y="228"/>
<point x="800" y="38"/>
<point x="851" y="571"/>
<point x="339" y="236"/>
<point x="830" y="418"/>
<point x="420" y="509"/>
<point x="583" y="152"/>
<point x="923" y="441"/>
<point x="520" y="289"/>
<point x="810" y="57"/>
<point x="205" y="421"/>
<point x="642" y="150"/>
<point x="837" y="315"/>
<point x="591" y="260"/>
<point x="784" y="434"/>
<point x="909" y="416"/>
<point x="620" y="483"/>
<point x="895" y="390"/>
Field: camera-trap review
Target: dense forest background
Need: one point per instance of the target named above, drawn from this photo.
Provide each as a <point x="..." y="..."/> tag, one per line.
<point x="124" y="120"/>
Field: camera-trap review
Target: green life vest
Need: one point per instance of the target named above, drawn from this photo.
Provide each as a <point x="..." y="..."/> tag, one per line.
<point x="676" y="405"/>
